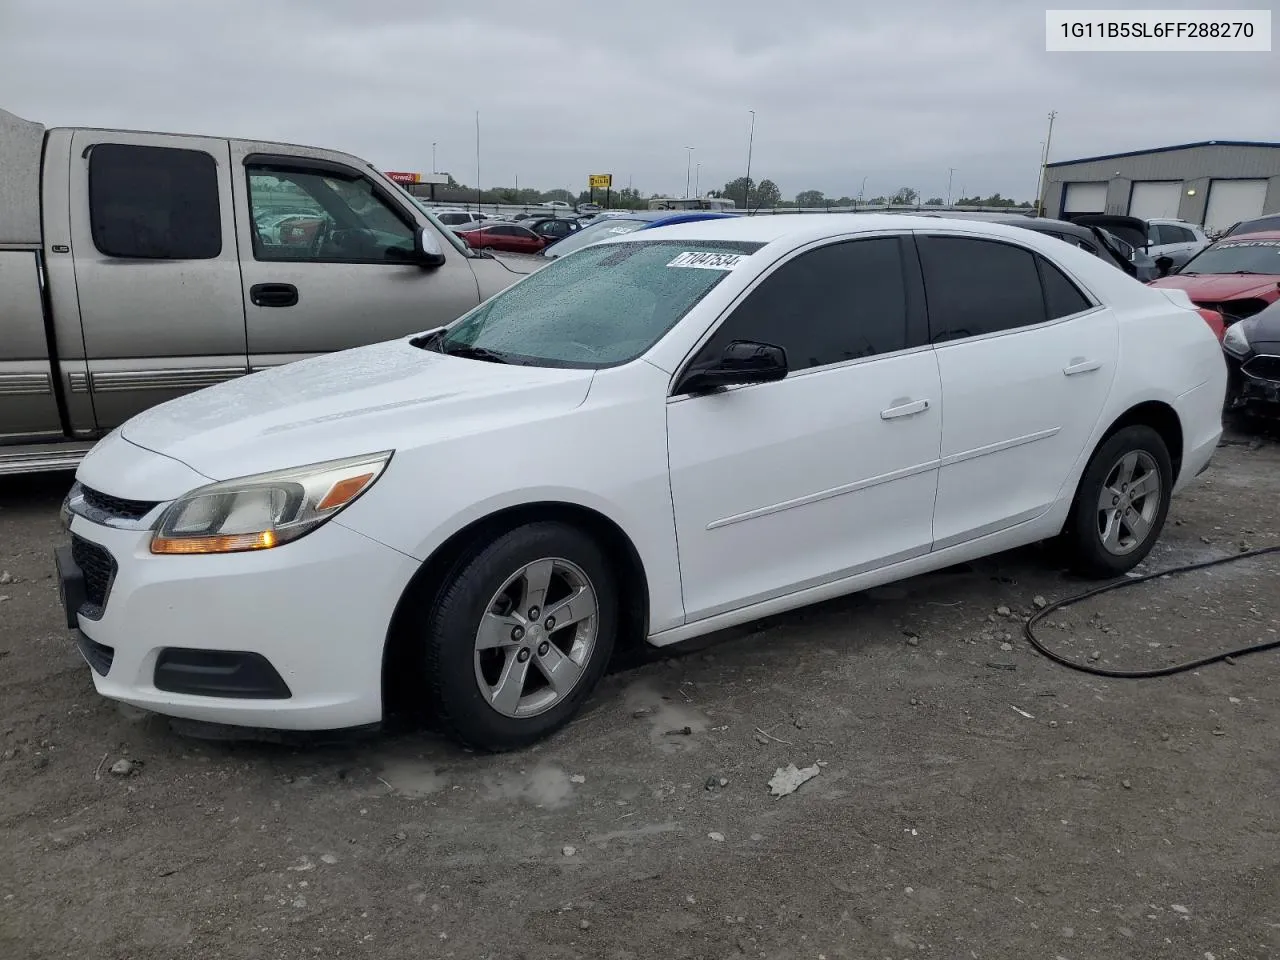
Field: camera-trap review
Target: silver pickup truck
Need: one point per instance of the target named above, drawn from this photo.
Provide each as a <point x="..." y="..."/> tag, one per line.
<point x="136" y="267"/>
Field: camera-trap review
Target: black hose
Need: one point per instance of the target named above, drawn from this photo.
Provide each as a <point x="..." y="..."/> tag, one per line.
<point x="1029" y="626"/>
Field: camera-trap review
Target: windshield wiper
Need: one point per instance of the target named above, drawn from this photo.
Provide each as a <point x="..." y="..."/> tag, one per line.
<point x="474" y="353"/>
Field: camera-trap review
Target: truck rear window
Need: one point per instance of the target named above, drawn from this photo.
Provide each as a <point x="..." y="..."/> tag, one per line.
<point x="154" y="203"/>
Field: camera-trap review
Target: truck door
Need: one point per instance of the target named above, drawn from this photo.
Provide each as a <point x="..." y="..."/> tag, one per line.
<point x="157" y="268"/>
<point x="28" y="403"/>
<point x="326" y="251"/>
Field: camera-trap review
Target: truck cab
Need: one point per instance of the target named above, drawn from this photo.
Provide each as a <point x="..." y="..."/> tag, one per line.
<point x="136" y="267"/>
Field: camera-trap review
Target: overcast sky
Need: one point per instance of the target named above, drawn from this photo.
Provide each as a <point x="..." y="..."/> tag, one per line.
<point x="896" y="91"/>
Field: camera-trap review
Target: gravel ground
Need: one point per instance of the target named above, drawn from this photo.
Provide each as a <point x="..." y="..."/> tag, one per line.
<point x="974" y="800"/>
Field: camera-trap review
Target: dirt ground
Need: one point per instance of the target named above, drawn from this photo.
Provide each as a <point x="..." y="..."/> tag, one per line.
<point x="974" y="800"/>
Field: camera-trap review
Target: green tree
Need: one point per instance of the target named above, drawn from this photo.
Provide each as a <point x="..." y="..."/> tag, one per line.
<point x="767" y="195"/>
<point x="810" y="198"/>
<point x="844" y="202"/>
<point x="934" y="202"/>
<point x="904" y="196"/>
<point x="877" y="201"/>
<point x="557" y="194"/>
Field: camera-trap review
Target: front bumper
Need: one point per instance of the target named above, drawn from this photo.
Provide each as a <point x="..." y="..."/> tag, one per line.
<point x="312" y="615"/>
<point x="1249" y="393"/>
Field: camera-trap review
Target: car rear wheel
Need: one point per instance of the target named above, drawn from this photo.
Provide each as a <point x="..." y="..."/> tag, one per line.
<point x="1121" y="504"/>
<point x="520" y="637"/>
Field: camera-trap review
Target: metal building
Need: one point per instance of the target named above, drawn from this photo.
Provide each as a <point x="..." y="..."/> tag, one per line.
<point x="1214" y="183"/>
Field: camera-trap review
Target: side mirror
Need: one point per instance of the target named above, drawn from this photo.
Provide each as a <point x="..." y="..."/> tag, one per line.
<point x="742" y="362"/>
<point x="1164" y="265"/>
<point x="426" y="248"/>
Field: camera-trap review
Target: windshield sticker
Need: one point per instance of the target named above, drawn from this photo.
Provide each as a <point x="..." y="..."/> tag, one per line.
<point x="708" y="261"/>
<point x="1252" y="243"/>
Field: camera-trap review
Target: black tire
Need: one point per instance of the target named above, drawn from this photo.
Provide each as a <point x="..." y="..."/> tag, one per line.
<point x="1082" y="537"/>
<point x="462" y="709"/>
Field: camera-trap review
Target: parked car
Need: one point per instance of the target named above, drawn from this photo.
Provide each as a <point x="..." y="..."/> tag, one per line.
<point x="588" y="208"/>
<point x="135" y="267"/>
<point x="1253" y="226"/>
<point x="552" y="229"/>
<point x="1252" y="348"/>
<point x="1097" y="241"/>
<point x="452" y="218"/>
<point x="609" y="225"/>
<point x="1178" y="240"/>
<point x="510" y="237"/>
<point x="557" y="205"/>
<point x="477" y="516"/>
<point x="1238" y="276"/>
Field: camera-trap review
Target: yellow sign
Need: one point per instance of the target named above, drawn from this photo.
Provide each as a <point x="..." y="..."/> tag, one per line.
<point x="600" y="181"/>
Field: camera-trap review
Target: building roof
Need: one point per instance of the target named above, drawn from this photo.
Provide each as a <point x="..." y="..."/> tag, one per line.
<point x="1176" y="146"/>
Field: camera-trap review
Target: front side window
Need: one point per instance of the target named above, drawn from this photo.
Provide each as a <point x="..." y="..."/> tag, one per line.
<point x="844" y="301"/>
<point x="603" y="306"/>
<point x="1240" y="255"/>
<point x="974" y="287"/>
<point x="334" y="219"/>
<point x="154" y="203"/>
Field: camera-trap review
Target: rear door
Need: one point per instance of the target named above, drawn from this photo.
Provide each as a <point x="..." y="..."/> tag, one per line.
<point x="341" y="277"/>
<point x="1026" y="360"/>
<point x="157" y="268"/>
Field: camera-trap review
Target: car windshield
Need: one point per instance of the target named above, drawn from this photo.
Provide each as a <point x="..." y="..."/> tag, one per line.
<point x="598" y="308"/>
<point x="1253" y="226"/>
<point x="603" y="230"/>
<point x="1238" y="256"/>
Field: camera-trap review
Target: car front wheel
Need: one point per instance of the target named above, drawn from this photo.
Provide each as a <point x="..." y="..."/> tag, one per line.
<point x="1121" y="504"/>
<point x="520" y="637"/>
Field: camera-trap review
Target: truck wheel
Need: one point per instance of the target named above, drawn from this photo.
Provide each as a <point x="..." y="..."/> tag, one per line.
<point x="518" y="640"/>
<point x="1121" y="504"/>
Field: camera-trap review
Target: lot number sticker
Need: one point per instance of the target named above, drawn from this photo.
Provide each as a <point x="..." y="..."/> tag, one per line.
<point x="708" y="261"/>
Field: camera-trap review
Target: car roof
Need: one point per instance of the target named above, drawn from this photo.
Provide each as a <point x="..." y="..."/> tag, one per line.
<point x="1257" y="235"/>
<point x="804" y="228"/>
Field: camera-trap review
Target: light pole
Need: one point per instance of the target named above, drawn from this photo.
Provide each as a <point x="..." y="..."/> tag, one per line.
<point x="746" y="187"/>
<point x="862" y="188"/>
<point x="433" y="157"/>
<point x="688" y="169"/>
<point x="951" y="172"/>
<point x="697" y="181"/>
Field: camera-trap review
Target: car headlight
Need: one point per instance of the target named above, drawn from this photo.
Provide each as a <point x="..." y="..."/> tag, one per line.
<point x="266" y="510"/>
<point x="1235" y="339"/>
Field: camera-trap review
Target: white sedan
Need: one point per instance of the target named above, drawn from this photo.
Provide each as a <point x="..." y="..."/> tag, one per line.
<point x="653" y="438"/>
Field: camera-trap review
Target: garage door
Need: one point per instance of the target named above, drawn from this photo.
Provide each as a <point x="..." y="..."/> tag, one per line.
<point x="1085" y="198"/>
<point x="1155" y="199"/>
<point x="1233" y="200"/>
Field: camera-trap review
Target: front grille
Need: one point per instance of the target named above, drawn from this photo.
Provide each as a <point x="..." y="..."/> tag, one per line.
<point x="1236" y="310"/>
<point x="99" y="569"/>
<point x="1264" y="368"/>
<point x="116" y="507"/>
<point x="98" y="655"/>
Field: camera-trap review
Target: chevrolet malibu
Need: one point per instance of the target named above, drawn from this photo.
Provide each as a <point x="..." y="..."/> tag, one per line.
<point x="655" y="437"/>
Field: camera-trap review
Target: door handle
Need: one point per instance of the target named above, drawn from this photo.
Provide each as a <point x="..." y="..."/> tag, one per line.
<point x="1081" y="365"/>
<point x="905" y="410"/>
<point x="273" y="294"/>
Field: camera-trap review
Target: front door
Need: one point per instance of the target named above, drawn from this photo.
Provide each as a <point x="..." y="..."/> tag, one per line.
<point x="335" y="274"/>
<point x="829" y="472"/>
<point x="157" y="269"/>
<point x="1026" y="360"/>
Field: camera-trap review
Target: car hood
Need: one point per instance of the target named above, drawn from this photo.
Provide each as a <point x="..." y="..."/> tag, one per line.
<point x="1263" y="329"/>
<point x="1214" y="287"/>
<point x="373" y="398"/>
<point x="1130" y="229"/>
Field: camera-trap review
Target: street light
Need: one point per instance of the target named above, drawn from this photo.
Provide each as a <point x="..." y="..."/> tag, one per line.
<point x="862" y="188"/>
<point x="697" y="181"/>
<point x="746" y="186"/>
<point x="433" y="157"/>
<point x="951" y="172"/>
<point x="688" y="169"/>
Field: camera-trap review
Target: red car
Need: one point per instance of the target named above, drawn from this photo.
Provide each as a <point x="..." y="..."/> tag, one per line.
<point x="510" y="237"/>
<point x="1236" y="277"/>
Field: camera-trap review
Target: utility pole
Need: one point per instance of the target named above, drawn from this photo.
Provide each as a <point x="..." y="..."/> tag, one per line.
<point x="688" y="169"/>
<point x="1041" y="181"/>
<point x="951" y="172"/>
<point x="862" y="188"/>
<point x="477" y="161"/>
<point x="433" y="157"/>
<point x="746" y="187"/>
<point x="697" y="181"/>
